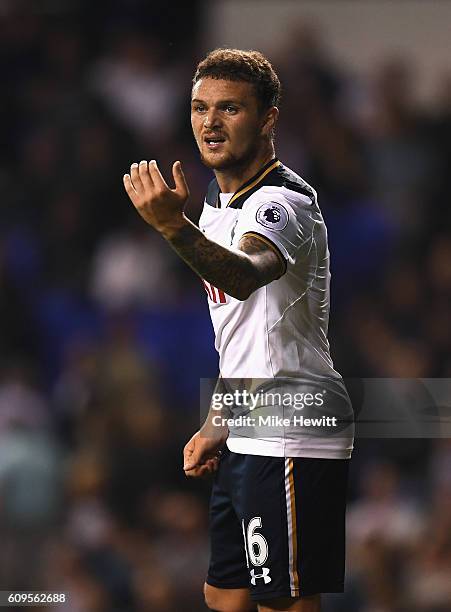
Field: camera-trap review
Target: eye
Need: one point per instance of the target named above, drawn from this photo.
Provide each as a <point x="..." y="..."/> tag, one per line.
<point x="231" y="110"/>
<point x="199" y="108"/>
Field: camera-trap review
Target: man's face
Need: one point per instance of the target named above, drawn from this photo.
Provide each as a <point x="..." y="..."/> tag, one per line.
<point x="226" y="121"/>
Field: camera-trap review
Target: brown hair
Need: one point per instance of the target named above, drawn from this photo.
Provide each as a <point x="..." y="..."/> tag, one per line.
<point x="238" y="65"/>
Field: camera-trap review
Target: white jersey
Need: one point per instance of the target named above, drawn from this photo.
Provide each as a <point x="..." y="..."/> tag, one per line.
<point x="280" y="332"/>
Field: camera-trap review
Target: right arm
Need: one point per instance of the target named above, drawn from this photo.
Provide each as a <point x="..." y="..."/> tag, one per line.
<point x="238" y="272"/>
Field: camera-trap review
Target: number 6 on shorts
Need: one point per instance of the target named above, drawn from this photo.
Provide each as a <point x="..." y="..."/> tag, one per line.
<point x="255" y="544"/>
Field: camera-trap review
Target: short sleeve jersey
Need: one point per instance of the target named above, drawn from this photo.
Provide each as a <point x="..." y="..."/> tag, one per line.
<point x="280" y="331"/>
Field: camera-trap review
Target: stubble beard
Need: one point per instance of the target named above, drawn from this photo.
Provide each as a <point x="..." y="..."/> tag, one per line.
<point x="232" y="163"/>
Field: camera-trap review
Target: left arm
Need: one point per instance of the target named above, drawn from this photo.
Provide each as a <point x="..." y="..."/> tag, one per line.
<point x="237" y="272"/>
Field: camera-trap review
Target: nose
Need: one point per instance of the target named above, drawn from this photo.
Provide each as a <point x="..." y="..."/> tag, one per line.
<point x="212" y="119"/>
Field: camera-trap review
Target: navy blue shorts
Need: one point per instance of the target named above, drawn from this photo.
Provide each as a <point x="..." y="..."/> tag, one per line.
<point x="277" y="526"/>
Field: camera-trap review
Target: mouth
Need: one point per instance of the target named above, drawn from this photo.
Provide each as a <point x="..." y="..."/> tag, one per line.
<point x="214" y="142"/>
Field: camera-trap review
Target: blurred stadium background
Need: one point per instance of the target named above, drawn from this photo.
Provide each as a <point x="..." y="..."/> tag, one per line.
<point x="105" y="334"/>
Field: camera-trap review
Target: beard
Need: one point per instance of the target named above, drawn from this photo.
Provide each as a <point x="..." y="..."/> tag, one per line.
<point x="231" y="162"/>
<point x="220" y="163"/>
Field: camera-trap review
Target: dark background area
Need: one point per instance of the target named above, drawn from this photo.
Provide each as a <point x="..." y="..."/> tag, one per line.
<point x="105" y="334"/>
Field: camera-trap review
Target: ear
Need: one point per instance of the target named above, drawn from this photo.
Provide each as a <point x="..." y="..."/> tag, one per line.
<point x="269" y="120"/>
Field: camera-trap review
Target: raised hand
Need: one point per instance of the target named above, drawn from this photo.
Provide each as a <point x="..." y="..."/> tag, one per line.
<point x="159" y="205"/>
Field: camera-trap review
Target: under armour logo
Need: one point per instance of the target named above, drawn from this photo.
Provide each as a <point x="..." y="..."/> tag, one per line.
<point x="265" y="575"/>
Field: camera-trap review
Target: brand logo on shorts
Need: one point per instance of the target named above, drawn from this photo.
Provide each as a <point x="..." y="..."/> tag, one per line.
<point x="265" y="575"/>
<point x="272" y="215"/>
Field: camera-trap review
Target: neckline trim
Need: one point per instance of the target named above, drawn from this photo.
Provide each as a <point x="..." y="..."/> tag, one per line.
<point x="253" y="181"/>
<point x="250" y="183"/>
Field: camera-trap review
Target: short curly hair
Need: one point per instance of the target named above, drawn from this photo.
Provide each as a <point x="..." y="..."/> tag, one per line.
<point x="237" y="65"/>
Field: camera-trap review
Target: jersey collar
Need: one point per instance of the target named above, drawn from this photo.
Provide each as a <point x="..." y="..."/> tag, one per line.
<point x="212" y="197"/>
<point x="254" y="181"/>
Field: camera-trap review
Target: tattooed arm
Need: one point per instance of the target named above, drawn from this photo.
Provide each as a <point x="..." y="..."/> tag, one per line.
<point x="237" y="272"/>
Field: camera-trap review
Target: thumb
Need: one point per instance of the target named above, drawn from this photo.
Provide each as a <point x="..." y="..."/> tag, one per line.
<point x="181" y="185"/>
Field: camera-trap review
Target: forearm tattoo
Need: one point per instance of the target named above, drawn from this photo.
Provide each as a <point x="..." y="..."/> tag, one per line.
<point x="237" y="272"/>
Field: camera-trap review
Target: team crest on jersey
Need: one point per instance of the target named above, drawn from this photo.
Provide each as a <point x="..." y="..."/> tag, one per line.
<point x="272" y="215"/>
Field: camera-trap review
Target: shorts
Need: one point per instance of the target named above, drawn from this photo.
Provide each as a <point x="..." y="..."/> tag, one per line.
<point x="277" y="525"/>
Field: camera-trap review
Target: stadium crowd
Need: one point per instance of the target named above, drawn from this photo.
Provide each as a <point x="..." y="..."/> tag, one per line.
<point x="105" y="333"/>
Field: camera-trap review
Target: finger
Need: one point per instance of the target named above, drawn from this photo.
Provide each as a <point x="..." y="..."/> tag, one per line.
<point x="208" y="469"/>
<point x="136" y="181"/>
<point x="190" y="460"/>
<point x="194" y="472"/>
<point x="187" y="454"/>
<point x="181" y="186"/>
<point x="190" y="464"/>
<point x="209" y="464"/>
<point x="195" y="461"/>
<point x="143" y="170"/>
<point x="129" y="187"/>
<point x="212" y="465"/>
<point x="156" y="175"/>
<point x="197" y="472"/>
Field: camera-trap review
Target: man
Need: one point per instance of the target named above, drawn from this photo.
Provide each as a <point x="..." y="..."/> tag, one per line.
<point x="278" y="500"/>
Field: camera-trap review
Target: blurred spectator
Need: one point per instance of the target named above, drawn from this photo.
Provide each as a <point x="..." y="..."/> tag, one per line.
<point x="138" y="85"/>
<point x="427" y="581"/>
<point x="31" y="478"/>
<point x="399" y="146"/>
<point x="132" y="269"/>
<point x="382" y="513"/>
